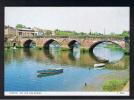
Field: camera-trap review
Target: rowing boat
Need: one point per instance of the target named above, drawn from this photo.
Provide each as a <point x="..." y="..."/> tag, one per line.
<point x="51" y="71"/>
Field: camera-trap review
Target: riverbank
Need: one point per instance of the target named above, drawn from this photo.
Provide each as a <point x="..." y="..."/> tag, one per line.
<point x="116" y="47"/>
<point x="98" y="82"/>
<point x="126" y="87"/>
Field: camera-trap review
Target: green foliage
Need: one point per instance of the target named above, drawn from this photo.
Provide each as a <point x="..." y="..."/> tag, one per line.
<point x="20" y="26"/>
<point x="65" y="33"/>
<point x="48" y="33"/>
<point x="96" y="33"/>
<point x="114" y="34"/>
<point x="82" y="33"/>
<point x="113" y="47"/>
<point x="125" y="33"/>
<point x="119" y="65"/>
<point x="114" y="85"/>
<point x="73" y="33"/>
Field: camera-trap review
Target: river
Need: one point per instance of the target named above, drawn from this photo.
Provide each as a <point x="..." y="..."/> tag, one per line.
<point x="21" y="66"/>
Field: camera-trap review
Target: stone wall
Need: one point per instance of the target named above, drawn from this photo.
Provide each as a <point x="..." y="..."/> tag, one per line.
<point x="84" y="43"/>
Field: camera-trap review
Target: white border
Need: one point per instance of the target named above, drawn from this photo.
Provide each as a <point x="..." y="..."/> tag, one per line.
<point x="38" y="93"/>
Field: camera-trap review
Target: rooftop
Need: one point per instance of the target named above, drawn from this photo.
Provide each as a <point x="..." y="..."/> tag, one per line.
<point x="25" y="29"/>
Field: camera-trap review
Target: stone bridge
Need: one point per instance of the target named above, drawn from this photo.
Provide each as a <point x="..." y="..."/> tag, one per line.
<point x="67" y="42"/>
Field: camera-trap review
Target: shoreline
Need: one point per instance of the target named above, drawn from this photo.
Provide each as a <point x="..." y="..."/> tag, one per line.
<point x="112" y="75"/>
<point x="126" y="87"/>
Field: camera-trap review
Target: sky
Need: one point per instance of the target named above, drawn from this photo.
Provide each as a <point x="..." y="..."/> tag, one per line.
<point x="79" y="19"/>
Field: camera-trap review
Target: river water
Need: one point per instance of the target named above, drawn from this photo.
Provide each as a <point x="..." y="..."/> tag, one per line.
<point x="21" y="66"/>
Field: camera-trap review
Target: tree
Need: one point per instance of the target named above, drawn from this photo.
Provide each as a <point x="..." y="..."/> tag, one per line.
<point x="48" y="32"/>
<point x="125" y="33"/>
<point x="82" y="33"/>
<point x="20" y="26"/>
<point x="112" y="34"/>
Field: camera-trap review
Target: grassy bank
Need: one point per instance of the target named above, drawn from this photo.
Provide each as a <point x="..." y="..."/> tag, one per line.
<point x="122" y="64"/>
<point x="116" y="47"/>
<point x="113" y="47"/>
<point x="99" y="81"/>
<point x="114" y="85"/>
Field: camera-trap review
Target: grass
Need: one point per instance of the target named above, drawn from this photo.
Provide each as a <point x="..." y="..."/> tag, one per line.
<point x="116" y="47"/>
<point x="117" y="66"/>
<point x="113" y="47"/>
<point x="114" y="85"/>
<point x="122" y="64"/>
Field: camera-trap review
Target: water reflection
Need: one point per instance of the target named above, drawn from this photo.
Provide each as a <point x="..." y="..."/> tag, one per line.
<point x="27" y="52"/>
<point x="74" y="58"/>
<point x="48" y="54"/>
<point x="76" y="53"/>
<point x="45" y="56"/>
<point x="21" y="66"/>
<point x="108" y="51"/>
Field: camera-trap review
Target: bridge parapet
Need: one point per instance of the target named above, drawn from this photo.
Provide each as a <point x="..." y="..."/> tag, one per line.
<point x="85" y="36"/>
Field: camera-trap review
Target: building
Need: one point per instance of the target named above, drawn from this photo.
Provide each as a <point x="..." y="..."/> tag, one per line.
<point x="25" y="32"/>
<point x="9" y="31"/>
<point x="38" y="34"/>
<point x="53" y="33"/>
<point x="38" y="31"/>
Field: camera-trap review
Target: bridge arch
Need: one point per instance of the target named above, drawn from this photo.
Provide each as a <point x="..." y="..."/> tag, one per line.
<point x="29" y="43"/>
<point x="71" y="43"/>
<point x="99" y="42"/>
<point x="47" y="43"/>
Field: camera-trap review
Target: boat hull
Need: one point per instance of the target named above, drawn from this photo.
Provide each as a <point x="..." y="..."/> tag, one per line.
<point x="50" y="71"/>
<point x="99" y="65"/>
<point x="45" y="75"/>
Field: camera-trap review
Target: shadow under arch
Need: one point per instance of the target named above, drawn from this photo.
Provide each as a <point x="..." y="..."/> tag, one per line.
<point x="29" y="43"/>
<point x="46" y="44"/>
<point x="48" y="54"/>
<point x="72" y="43"/>
<point x="97" y="58"/>
<point x="70" y="56"/>
<point x="27" y="52"/>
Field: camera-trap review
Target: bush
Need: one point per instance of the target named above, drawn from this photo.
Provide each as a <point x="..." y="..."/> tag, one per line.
<point x="114" y="85"/>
